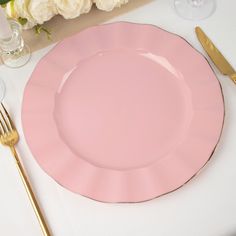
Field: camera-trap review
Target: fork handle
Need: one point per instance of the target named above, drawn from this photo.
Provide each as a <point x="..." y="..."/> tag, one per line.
<point x="31" y="195"/>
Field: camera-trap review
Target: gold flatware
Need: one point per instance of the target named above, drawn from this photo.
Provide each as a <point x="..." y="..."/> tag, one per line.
<point x="216" y="56"/>
<point x="9" y="137"/>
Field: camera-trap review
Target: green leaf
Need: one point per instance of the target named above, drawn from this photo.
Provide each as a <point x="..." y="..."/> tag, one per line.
<point x="39" y="28"/>
<point x="48" y="33"/>
<point x="22" y="21"/>
<point x="3" y="2"/>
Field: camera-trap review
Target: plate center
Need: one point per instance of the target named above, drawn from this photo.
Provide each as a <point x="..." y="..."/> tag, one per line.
<point x="115" y="111"/>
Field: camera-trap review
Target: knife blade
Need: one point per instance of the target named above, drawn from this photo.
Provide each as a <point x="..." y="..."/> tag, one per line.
<point x="216" y="56"/>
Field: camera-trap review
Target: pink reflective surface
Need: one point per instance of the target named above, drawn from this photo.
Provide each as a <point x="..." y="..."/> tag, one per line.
<point x="131" y="112"/>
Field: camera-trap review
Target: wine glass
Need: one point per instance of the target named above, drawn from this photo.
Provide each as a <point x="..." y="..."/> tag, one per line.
<point x="195" y="9"/>
<point x="2" y="90"/>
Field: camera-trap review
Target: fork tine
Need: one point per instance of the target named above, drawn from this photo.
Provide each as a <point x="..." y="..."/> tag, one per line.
<point x="4" y="122"/>
<point x="2" y="129"/>
<point x="8" y="117"/>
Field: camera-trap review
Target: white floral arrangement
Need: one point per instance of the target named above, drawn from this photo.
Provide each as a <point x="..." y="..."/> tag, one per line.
<point x="33" y="13"/>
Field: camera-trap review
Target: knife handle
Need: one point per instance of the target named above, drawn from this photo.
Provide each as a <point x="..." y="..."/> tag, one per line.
<point x="233" y="77"/>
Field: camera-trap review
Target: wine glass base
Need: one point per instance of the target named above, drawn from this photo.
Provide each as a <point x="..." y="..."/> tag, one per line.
<point x="189" y="11"/>
<point x="2" y="89"/>
<point x="17" y="59"/>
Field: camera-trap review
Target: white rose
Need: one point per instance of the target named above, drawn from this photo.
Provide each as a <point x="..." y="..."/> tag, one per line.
<point x="42" y="10"/>
<point x="108" y="5"/>
<point x="19" y="8"/>
<point x="72" y="8"/>
<point x="121" y="2"/>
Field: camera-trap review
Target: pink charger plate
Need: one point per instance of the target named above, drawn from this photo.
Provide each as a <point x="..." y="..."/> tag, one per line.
<point x="122" y="112"/>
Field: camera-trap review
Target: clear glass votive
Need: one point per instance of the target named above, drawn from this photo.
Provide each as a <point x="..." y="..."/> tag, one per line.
<point x="14" y="52"/>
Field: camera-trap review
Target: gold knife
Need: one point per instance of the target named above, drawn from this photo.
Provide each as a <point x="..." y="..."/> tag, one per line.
<point x="216" y="56"/>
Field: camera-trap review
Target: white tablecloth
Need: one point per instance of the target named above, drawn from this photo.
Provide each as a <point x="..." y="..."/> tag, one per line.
<point x="206" y="206"/>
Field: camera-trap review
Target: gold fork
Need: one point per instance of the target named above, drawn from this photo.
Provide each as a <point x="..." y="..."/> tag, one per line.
<point x="9" y="137"/>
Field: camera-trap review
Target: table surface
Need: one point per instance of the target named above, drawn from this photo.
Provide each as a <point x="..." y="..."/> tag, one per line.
<point x="206" y="206"/>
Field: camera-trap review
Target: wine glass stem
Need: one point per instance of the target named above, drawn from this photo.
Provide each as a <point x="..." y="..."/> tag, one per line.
<point x="196" y="3"/>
